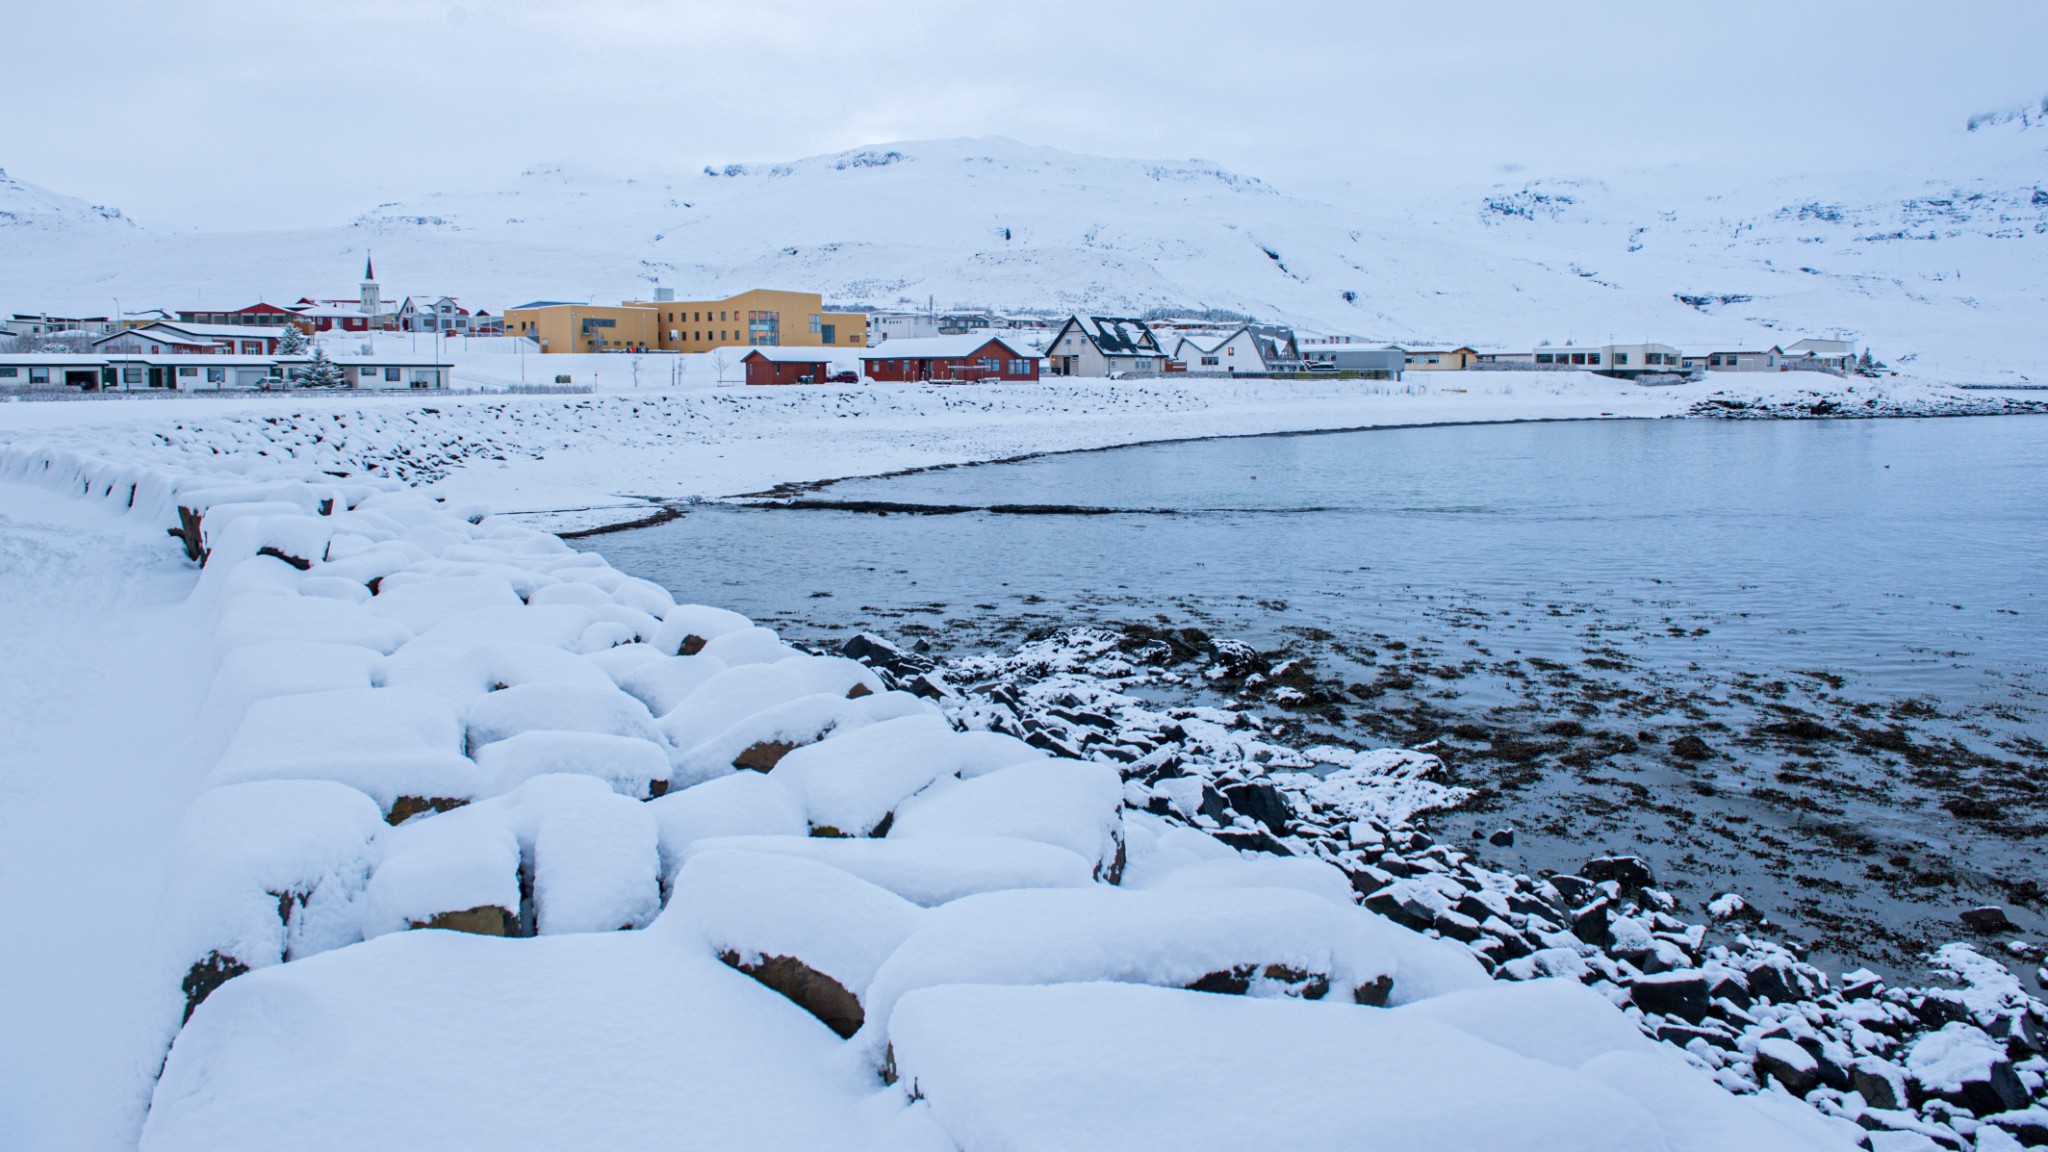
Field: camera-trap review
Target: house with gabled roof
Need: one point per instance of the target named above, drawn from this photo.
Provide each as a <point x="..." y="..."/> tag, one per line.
<point x="1252" y="348"/>
<point x="1106" y="346"/>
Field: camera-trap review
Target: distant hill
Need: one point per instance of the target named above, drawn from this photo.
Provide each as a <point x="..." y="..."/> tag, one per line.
<point x="1939" y="265"/>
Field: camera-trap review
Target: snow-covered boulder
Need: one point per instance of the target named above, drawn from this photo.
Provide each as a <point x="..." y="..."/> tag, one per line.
<point x="1074" y="804"/>
<point x="461" y="674"/>
<point x="810" y="931"/>
<point x="664" y="681"/>
<point x="849" y="785"/>
<point x="702" y="710"/>
<point x="556" y="626"/>
<point x="596" y="867"/>
<point x="421" y="604"/>
<point x="929" y="870"/>
<point x="567" y="707"/>
<point x="762" y="739"/>
<point x="400" y="748"/>
<point x="750" y="645"/>
<point x="1081" y="1067"/>
<point x="1248" y="941"/>
<point x="315" y="619"/>
<point x="285" y="668"/>
<point x="257" y="874"/>
<point x="742" y="804"/>
<point x="687" y="628"/>
<point x="633" y="767"/>
<point x="458" y="870"/>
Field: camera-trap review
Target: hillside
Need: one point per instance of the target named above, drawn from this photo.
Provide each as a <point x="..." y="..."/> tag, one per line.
<point x="1934" y="264"/>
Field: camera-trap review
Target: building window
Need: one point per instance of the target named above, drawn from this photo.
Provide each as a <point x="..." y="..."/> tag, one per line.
<point x="1210" y="361"/>
<point x="1621" y="359"/>
<point x="9" y="373"/>
<point x="1592" y="358"/>
<point x="830" y="333"/>
<point x="1541" y="358"/>
<point x="187" y="370"/>
<point x="817" y="324"/>
<point x="1578" y="357"/>
<point x="38" y="375"/>
<point x="216" y="375"/>
<point x="131" y="375"/>
<point x="391" y="374"/>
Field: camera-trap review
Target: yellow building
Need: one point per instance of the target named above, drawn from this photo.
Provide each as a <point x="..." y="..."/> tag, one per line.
<point x="1441" y="359"/>
<point x="762" y="317"/>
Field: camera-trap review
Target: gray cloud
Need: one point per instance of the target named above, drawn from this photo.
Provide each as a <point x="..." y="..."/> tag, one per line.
<point x="269" y="114"/>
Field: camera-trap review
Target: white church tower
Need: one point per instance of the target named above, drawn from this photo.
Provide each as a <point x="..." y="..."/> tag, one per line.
<point x="372" y="298"/>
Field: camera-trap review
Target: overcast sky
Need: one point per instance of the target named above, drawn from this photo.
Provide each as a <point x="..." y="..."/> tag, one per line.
<point x="292" y="112"/>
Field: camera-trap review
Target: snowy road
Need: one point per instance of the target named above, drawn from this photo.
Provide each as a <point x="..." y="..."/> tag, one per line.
<point x="99" y="678"/>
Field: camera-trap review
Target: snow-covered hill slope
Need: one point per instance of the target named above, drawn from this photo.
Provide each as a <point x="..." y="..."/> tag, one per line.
<point x="1936" y="264"/>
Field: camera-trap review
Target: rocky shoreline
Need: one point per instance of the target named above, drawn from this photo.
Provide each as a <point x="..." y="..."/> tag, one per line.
<point x="1962" y="1063"/>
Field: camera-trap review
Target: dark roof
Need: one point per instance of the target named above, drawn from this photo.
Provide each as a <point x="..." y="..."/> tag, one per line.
<point x="1118" y="335"/>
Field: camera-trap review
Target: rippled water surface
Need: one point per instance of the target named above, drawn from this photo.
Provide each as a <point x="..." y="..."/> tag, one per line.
<point x="1672" y="571"/>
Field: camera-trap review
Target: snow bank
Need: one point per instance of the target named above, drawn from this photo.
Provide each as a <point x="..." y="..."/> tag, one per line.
<point x="743" y="804"/>
<point x="257" y="865"/>
<point x="851" y="784"/>
<point x="607" y="711"/>
<point x="1067" y="803"/>
<point x="796" y="924"/>
<point x="1257" y="942"/>
<point x="596" y="867"/>
<point x="633" y="767"/>
<point x="1077" y="1067"/>
<point x="926" y="871"/>
<point x="385" y="742"/>
<point x="633" y="1041"/>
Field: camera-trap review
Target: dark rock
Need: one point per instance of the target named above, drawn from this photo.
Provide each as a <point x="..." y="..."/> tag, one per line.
<point x="1881" y="1082"/>
<point x="1682" y="994"/>
<point x="1683" y="1034"/>
<point x="1691" y="747"/>
<point x="1788" y="1064"/>
<point x="483" y="920"/>
<point x="1456" y="925"/>
<point x="1501" y="838"/>
<point x="876" y="652"/>
<point x="1252" y="840"/>
<point x="1575" y="889"/>
<point x="2030" y="1127"/>
<point x="1261" y="801"/>
<point x="1385" y="903"/>
<point x="808" y="988"/>
<point x="764" y="756"/>
<point x="406" y="807"/>
<point x="1214" y="806"/>
<point x="207" y="975"/>
<point x="1770" y="982"/>
<point x="1591" y="923"/>
<point x="1628" y="871"/>
<point x="1990" y="918"/>
<point x="932" y="687"/>
<point x="1731" y="987"/>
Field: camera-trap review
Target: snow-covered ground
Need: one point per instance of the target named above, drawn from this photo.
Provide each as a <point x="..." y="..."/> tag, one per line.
<point x="445" y="834"/>
<point x="611" y="456"/>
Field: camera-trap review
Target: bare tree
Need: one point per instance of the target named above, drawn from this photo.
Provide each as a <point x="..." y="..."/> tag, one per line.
<point x="721" y="359"/>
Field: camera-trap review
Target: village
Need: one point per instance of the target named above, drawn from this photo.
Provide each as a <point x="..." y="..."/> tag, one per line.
<point x="769" y="337"/>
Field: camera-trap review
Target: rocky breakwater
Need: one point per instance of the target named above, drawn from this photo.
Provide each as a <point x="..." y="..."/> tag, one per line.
<point x="496" y="844"/>
<point x="1958" y="1064"/>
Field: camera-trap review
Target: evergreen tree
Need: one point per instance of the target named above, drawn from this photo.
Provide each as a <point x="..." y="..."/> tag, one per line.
<point x="293" y="342"/>
<point x="322" y="372"/>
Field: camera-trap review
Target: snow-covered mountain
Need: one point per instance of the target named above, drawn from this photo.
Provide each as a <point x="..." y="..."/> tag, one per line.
<point x="1936" y="264"/>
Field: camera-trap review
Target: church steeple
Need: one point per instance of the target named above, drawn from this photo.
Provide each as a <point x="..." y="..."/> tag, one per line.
<point x="372" y="298"/>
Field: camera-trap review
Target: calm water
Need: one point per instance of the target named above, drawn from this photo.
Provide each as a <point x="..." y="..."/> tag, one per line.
<point x="1907" y="557"/>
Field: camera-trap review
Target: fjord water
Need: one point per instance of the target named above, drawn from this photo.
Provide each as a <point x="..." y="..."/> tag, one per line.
<point x="1680" y="574"/>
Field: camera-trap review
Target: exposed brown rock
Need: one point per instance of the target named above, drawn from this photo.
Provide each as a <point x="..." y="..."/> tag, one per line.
<point x="764" y="756"/>
<point x="482" y="920"/>
<point x="807" y="988"/>
<point x="207" y="975"/>
<point x="406" y="807"/>
<point x="692" y="644"/>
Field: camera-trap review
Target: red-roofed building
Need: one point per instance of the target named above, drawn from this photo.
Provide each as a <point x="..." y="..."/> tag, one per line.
<point x="972" y="358"/>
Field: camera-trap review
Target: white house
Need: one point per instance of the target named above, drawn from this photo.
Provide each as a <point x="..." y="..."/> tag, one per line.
<point x="1826" y="355"/>
<point x="1106" y="346"/>
<point x="165" y="338"/>
<point x="1736" y="360"/>
<point x="209" y="371"/>
<point x="1622" y="360"/>
<point x="41" y="324"/>
<point x="433" y="314"/>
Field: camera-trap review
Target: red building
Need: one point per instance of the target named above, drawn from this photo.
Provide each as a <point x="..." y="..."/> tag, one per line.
<point x="786" y="366"/>
<point x="972" y="358"/>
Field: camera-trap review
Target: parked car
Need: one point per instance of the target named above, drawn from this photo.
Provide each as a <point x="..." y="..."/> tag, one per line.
<point x="843" y="378"/>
